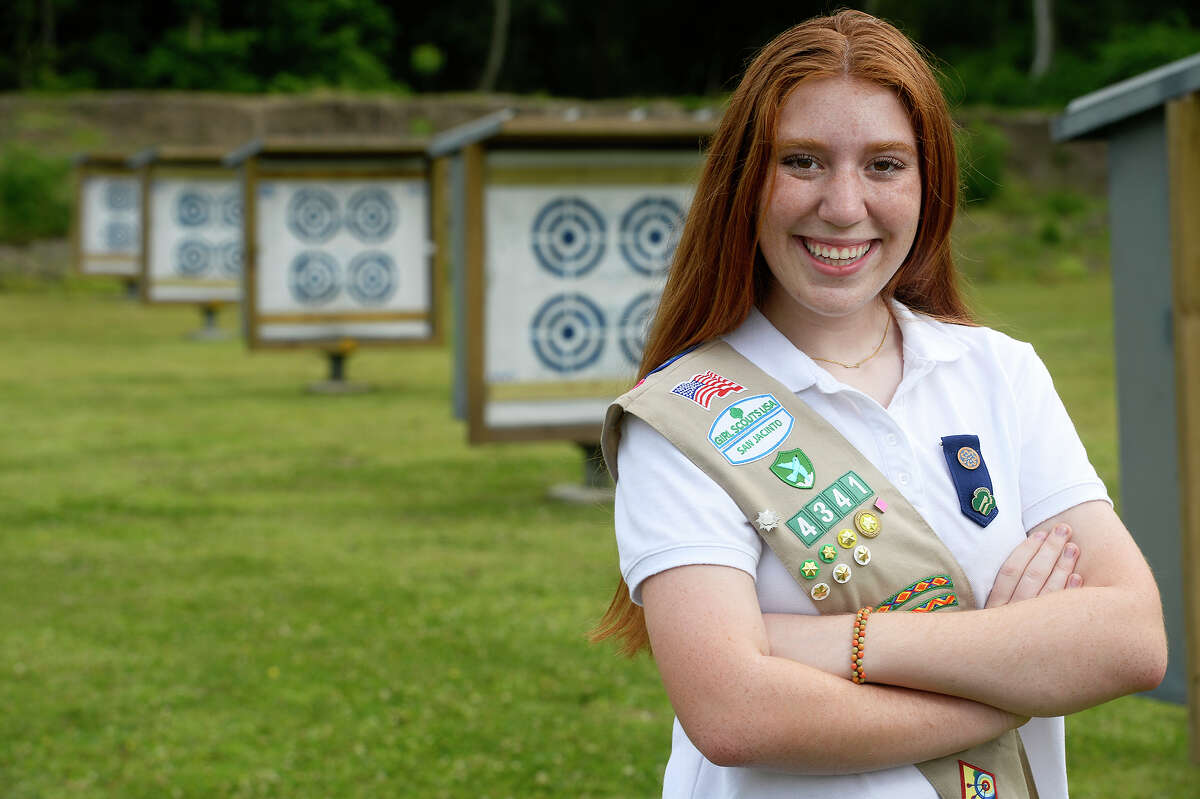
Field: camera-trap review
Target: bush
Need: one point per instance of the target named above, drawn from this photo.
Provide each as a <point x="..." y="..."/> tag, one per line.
<point x="982" y="150"/>
<point x="35" y="195"/>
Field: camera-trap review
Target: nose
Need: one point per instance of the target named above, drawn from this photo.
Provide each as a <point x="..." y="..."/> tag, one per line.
<point x="844" y="202"/>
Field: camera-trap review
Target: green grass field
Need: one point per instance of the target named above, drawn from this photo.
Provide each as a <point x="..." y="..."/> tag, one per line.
<point x="217" y="584"/>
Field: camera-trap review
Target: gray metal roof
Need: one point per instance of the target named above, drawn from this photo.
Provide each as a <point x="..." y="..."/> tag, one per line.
<point x="1090" y="114"/>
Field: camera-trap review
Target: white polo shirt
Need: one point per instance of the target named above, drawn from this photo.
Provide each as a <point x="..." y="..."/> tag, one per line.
<point x="956" y="380"/>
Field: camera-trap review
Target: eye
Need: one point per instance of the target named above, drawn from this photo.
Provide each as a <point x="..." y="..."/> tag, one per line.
<point x="886" y="165"/>
<point x="800" y="162"/>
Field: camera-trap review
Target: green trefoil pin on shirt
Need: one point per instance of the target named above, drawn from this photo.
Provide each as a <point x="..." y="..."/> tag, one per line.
<point x="794" y="468"/>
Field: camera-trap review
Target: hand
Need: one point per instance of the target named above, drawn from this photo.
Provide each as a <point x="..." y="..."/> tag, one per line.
<point x="1041" y="564"/>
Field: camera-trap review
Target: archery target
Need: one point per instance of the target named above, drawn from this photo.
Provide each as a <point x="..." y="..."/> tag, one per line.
<point x="192" y="254"/>
<point x="371" y="214"/>
<point x="231" y="258"/>
<point x="371" y="277"/>
<point x="192" y="208"/>
<point x="231" y="209"/>
<point x="568" y="332"/>
<point x="568" y="236"/>
<point x="635" y="321"/>
<point x="120" y="195"/>
<point x="314" y="277"/>
<point x="119" y="236"/>
<point x="109" y="224"/>
<point x="376" y="261"/>
<point x="193" y="257"/>
<point x="313" y="215"/>
<point x="649" y="233"/>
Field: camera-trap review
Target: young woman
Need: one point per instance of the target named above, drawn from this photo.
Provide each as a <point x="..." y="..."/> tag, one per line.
<point x="815" y="270"/>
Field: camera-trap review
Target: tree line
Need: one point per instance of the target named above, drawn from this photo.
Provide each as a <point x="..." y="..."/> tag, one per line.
<point x="1015" y="52"/>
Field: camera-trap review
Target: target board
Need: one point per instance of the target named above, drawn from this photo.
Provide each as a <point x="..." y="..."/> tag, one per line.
<point x="577" y="249"/>
<point x="193" y="250"/>
<point x="341" y="259"/>
<point x="108" y="225"/>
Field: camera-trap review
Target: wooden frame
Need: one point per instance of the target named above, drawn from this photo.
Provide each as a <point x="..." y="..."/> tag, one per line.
<point x="87" y="166"/>
<point x="180" y="163"/>
<point x="334" y="161"/>
<point x="639" y="153"/>
<point x="1183" y="158"/>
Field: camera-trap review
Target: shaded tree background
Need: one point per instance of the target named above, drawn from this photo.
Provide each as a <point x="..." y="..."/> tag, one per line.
<point x="569" y="48"/>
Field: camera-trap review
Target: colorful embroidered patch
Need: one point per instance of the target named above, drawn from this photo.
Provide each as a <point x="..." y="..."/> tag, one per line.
<point x="750" y="429"/>
<point x="805" y="528"/>
<point x="969" y="473"/>
<point x="931" y="583"/>
<point x="809" y="569"/>
<point x="976" y="783"/>
<point x="937" y="603"/>
<point x="794" y="468"/>
<point x="704" y="387"/>
<point x="841" y="573"/>
<point x="767" y="520"/>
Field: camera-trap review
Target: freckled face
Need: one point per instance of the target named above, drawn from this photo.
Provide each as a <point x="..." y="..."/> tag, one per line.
<point x="840" y="210"/>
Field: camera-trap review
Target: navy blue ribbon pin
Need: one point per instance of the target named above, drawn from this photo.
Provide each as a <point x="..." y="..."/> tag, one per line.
<point x="971" y="478"/>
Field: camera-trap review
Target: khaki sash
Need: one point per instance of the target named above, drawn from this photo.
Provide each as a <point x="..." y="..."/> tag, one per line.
<point x="738" y="438"/>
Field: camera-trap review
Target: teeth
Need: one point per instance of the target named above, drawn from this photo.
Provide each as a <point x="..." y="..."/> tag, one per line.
<point x="836" y="253"/>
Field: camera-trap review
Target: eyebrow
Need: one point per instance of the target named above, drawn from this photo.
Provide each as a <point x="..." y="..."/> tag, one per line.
<point x="874" y="147"/>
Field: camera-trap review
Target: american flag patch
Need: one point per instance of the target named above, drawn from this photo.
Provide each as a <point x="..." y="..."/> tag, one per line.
<point x="703" y="387"/>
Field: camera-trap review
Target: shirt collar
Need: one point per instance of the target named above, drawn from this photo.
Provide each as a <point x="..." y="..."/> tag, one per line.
<point x="926" y="343"/>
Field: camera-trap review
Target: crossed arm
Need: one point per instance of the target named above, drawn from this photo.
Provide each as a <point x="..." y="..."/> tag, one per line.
<point x="774" y="691"/>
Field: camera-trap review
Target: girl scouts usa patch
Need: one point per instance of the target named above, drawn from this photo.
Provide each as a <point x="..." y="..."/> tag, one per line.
<point x="972" y="483"/>
<point x="750" y="429"/>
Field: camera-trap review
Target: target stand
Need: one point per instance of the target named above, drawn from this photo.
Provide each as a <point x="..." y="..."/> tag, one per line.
<point x="191" y="251"/>
<point x="106" y="224"/>
<point x="560" y="235"/>
<point x="337" y="236"/>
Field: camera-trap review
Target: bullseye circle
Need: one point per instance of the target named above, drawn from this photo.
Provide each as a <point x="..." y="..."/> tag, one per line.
<point x="635" y="320"/>
<point x="568" y="237"/>
<point x="192" y="208"/>
<point x="371" y="215"/>
<point x="313" y="277"/>
<point x="371" y="278"/>
<point x="120" y="195"/>
<point x="985" y="788"/>
<point x="119" y="235"/>
<point x="649" y="233"/>
<point x="568" y="332"/>
<point x="313" y="215"/>
<point x="231" y="258"/>
<point x="231" y="209"/>
<point x="193" y="257"/>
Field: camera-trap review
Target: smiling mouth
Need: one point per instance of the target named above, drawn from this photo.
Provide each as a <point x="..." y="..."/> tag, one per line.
<point x="835" y="256"/>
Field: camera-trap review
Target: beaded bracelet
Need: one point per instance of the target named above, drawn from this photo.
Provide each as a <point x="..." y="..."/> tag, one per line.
<point x="858" y="646"/>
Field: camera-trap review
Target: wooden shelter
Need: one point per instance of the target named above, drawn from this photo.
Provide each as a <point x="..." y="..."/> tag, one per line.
<point x="1152" y="126"/>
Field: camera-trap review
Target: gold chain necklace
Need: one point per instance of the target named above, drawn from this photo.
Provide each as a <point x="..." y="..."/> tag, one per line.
<point x="874" y="352"/>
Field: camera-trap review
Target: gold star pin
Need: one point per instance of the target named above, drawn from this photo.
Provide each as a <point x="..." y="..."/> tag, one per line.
<point x="820" y="591"/>
<point x="862" y="555"/>
<point x="828" y="553"/>
<point x="841" y="573"/>
<point x="810" y="569"/>
<point x="846" y="538"/>
<point x="867" y="523"/>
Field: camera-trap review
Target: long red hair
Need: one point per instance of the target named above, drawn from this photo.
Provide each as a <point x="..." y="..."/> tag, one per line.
<point x="718" y="273"/>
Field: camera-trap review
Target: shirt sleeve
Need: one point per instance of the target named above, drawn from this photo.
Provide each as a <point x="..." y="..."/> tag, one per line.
<point x="1055" y="471"/>
<point x="669" y="513"/>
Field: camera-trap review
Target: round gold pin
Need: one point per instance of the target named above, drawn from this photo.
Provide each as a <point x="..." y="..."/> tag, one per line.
<point x="820" y="591"/>
<point x="846" y="538"/>
<point x="862" y="555"/>
<point x="809" y="569"/>
<point x="841" y="573"/>
<point x="969" y="458"/>
<point x="828" y="553"/>
<point x="867" y="523"/>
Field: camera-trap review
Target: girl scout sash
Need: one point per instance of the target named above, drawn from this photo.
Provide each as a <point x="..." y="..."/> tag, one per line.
<point x="845" y="534"/>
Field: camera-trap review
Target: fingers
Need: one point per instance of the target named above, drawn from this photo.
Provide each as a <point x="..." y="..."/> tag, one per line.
<point x="1063" y="569"/>
<point x="1014" y="566"/>
<point x="1041" y="566"/>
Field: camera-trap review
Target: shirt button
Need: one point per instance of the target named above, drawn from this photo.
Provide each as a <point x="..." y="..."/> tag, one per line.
<point x="891" y="439"/>
<point x="902" y="478"/>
